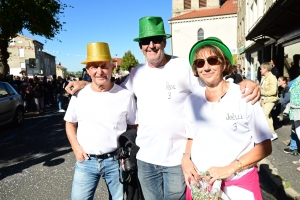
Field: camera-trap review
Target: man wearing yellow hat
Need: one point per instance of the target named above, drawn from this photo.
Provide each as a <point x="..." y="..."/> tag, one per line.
<point x="161" y="86"/>
<point x="97" y="115"/>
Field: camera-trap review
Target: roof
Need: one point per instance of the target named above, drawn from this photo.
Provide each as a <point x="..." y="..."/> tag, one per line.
<point x="119" y="60"/>
<point x="282" y="18"/>
<point x="61" y="67"/>
<point x="229" y="7"/>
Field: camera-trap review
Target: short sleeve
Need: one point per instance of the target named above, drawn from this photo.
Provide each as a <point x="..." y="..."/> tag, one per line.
<point x="131" y="111"/>
<point x="258" y="124"/>
<point x="70" y="115"/>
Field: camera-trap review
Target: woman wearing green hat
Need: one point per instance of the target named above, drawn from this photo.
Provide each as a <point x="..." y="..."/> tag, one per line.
<point x="225" y="142"/>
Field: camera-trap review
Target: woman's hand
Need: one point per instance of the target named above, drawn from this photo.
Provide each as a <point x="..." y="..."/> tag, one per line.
<point x="253" y="90"/>
<point x="80" y="153"/>
<point x="75" y="86"/>
<point x="189" y="170"/>
<point x="215" y="173"/>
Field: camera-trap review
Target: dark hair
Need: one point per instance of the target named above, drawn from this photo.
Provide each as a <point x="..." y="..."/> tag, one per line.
<point x="283" y="78"/>
<point x="225" y="63"/>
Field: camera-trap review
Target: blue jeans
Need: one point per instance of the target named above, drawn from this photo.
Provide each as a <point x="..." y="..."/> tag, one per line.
<point x="60" y="101"/>
<point x="294" y="138"/>
<point x="88" y="173"/>
<point x="160" y="182"/>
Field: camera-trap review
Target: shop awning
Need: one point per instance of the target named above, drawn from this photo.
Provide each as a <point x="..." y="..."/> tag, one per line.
<point x="282" y="18"/>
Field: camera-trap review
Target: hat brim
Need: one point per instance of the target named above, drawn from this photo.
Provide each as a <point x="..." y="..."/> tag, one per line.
<point x="89" y="61"/>
<point x="164" y="35"/>
<point x="208" y="41"/>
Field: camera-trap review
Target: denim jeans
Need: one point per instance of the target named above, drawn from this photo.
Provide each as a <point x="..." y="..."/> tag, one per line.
<point x="60" y="101"/>
<point x="160" y="182"/>
<point x="294" y="138"/>
<point x="88" y="173"/>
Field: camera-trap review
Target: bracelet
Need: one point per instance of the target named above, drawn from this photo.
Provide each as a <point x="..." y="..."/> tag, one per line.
<point x="241" y="167"/>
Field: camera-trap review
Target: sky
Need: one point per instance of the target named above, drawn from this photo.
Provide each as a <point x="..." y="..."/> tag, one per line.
<point x="113" y="21"/>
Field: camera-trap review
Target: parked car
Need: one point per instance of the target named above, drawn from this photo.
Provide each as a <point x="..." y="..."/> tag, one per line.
<point x="11" y="105"/>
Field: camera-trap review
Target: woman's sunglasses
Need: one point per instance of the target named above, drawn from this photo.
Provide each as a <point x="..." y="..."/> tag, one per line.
<point x="211" y="60"/>
<point x="155" y="40"/>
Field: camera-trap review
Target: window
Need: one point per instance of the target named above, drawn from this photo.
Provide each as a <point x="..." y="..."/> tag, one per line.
<point x="187" y="4"/>
<point x="23" y="66"/>
<point x="21" y="52"/>
<point x="202" y="3"/>
<point x="200" y="34"/>
<point x="3" y="92"/>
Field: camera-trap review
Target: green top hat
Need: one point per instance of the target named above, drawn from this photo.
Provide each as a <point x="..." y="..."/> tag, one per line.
<point x="210" y="41"/>
<point x="151" y="26"/>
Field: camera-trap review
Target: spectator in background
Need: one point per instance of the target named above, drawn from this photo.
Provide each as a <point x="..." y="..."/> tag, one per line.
<point x="258" y="76"/>
<point x="130" y="68"/>
<point x="85" y="75"/>
<point x="248" y="76"/>
<point x="295" y="69"/>
<point x="46" y="92"/>
<point x="38" y="94"/>
<point x="239" y="70"/>
<point x="60" y="91"/>
<point x="269" y="94"/>
<point x="54" y="87"/>
<point x="295" y="119"/>
<point x="26" y="93"/>
<point x="274" y="70"/>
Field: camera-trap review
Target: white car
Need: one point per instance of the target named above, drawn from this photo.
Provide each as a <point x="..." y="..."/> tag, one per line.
<point x="11" y="105"/>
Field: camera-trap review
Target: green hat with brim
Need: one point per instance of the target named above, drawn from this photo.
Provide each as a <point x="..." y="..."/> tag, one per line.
<point x="151" y="26"/>
<point x="210" y="41"/>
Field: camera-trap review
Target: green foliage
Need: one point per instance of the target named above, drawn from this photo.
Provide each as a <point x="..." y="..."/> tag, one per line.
<point x="128" y="60"/>
<point x="78" y="74"/>
<point x="39" y="17"/>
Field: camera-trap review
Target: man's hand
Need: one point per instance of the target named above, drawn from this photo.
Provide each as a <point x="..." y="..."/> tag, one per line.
<point x="253" y="91"/>
<point x="80" y="154"/>
<point x="75" y="86"/>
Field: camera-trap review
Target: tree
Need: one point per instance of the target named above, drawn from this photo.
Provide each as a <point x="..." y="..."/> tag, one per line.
<point x="128" y="60"/>
<point x="39" y="17"/>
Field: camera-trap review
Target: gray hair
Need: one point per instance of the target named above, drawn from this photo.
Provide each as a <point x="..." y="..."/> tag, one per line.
<point x="267" y="65"/>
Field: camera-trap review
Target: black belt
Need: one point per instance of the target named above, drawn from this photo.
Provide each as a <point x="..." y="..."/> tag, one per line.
<point x="103" y="156"/>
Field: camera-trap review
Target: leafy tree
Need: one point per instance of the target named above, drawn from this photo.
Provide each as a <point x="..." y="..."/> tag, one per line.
<point x="39" y="17"/>
<point x="128" y="60"/>
<point x="234" y="59"/>
<point x="78" y="74"/>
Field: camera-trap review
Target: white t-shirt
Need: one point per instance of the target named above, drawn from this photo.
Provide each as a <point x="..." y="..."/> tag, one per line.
<point x="161" y="93"/>
<point x="223" y="132"/>
<point x="102" y="117"/>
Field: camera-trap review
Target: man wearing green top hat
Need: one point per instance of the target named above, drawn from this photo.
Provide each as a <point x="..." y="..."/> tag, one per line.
<point x="161" y="86"/>
<point x="96" y="116"/>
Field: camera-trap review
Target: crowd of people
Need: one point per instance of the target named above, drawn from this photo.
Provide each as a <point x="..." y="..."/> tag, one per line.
<point x="39" y="93"/>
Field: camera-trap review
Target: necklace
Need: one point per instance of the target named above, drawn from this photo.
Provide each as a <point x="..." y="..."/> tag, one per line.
<point x="224" y="91"/>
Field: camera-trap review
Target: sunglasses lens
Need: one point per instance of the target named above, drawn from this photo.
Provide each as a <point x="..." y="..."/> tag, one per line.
<point x="199" y="63"/>
<point x="155" y="40"/>
<point x="213" y="60"/>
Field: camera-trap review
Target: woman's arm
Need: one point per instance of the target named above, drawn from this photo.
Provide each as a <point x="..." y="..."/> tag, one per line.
<point x="249" y="159"/>
<point x="188" y="167"/>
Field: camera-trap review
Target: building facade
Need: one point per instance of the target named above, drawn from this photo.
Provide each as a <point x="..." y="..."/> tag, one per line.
<point x="272" y="31"/>
<point x="27" y="56"/>
<point x="195" y="20"/>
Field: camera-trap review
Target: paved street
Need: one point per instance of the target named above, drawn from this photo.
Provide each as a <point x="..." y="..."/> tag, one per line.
<point x="36" y="161"/>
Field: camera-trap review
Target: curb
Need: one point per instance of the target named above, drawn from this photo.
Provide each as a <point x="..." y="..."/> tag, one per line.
<point x="270" y="173"/>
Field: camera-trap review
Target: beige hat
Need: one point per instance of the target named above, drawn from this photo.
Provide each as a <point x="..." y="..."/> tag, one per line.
<point x="97" y="51"/>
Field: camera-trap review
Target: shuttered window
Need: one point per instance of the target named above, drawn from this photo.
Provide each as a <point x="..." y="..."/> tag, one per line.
<point x="187" y="4"/>
<point x="202" y="3"/>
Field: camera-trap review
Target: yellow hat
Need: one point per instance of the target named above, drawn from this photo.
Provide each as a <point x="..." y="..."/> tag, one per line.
<point x="97" y="51"/>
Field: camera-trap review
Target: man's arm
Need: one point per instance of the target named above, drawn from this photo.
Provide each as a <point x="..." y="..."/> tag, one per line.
<point x="71" y="129"/>
<point x="75" y="86"/>
<point x="253" y="90"/>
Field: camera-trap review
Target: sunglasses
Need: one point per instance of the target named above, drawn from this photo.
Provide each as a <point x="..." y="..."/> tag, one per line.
<point x="211" y="60"/>
<point x="155" y="40"/>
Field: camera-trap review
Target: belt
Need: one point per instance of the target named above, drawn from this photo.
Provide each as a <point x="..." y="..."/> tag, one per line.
<point x="103" y="156"/>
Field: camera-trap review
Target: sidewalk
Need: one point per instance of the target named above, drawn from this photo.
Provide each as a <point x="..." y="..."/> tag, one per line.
<point x="278" y="168"/>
